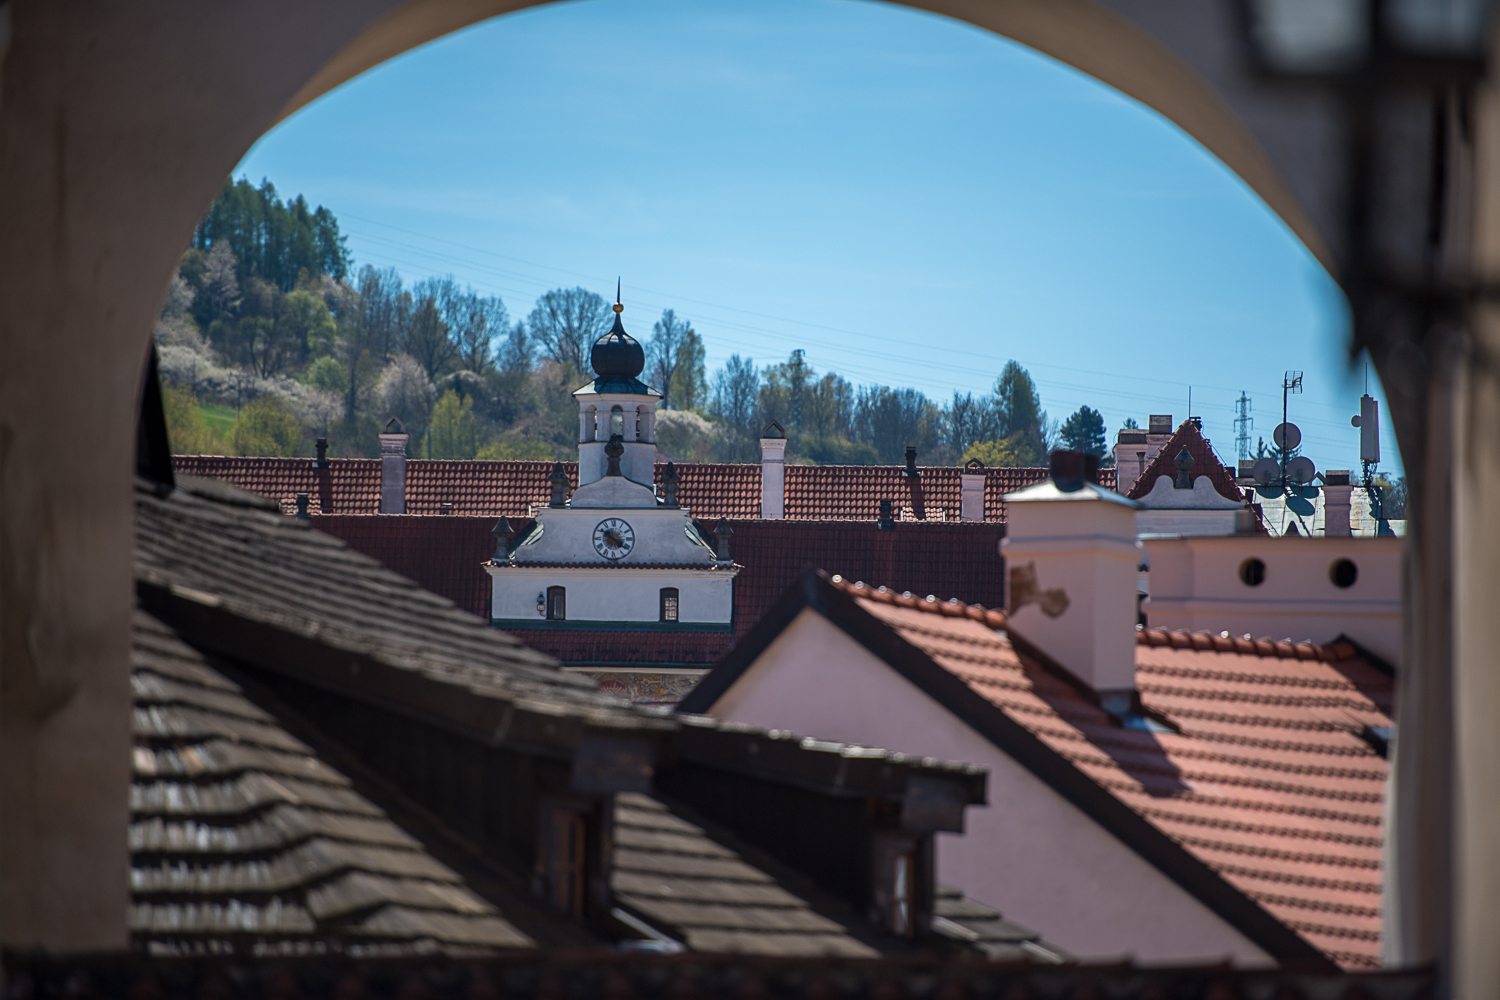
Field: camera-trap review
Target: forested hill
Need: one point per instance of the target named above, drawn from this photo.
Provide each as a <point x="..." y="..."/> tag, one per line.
<point x="270" y="337"/>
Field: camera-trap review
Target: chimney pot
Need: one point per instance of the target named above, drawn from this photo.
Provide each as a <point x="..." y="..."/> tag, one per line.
<point x="911" y="461"/>
<point x="1068" y="470"/>
<point x="321" y="462"/>
<point x="886" y="521"/>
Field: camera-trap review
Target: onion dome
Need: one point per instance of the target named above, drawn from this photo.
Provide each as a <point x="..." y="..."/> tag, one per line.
<point x="617" y="355"/>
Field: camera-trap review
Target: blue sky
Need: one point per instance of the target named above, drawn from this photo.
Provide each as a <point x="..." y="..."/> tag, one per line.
<point x="909" y="199"/>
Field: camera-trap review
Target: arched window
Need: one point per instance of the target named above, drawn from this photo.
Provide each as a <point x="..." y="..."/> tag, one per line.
<point x="638" y="427"/>
<point x="617" y="422"/>
<point x="557" y="604"/>
<point x="669" y="604"/>
<point x="591" y="424"/>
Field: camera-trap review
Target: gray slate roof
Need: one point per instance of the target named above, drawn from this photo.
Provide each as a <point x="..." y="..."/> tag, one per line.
<point x="241" y="836"/>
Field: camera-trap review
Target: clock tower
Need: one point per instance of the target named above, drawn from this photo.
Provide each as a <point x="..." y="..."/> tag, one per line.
<point x="616" y="556"/>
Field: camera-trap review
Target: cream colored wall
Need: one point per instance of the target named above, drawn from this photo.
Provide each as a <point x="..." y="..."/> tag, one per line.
<point x="1030" y="852"/>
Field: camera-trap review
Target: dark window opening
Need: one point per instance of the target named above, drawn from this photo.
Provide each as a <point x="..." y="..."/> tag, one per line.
<point x="563" y="858"/>
<point x="669" y="604"/>
<point x="903" y="886"/>
<point x="557" y="604"/>
<point x="1343" y="573"/>
<point x="1253" y="572"/>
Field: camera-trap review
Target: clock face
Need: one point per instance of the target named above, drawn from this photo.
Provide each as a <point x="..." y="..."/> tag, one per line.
<point x="613" y="538"/>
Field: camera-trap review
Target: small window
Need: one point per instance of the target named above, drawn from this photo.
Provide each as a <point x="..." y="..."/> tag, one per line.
<point x="1343" y="573"/>
<point x="669" y="604"/>
<point x="1252" y="572"/>
<point x="617" y="422"/>
<point x="557" y="604"/>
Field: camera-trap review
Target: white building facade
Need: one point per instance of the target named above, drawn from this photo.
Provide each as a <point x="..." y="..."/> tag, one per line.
<point x="615" y="555"/>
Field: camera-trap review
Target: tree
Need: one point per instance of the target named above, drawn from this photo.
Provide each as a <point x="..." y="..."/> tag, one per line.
<point x="890" y="419"/>
<point x="1003" y="453"/>
<point x="221" y="284"/>
<point x="968" y="421"/>
<point x="1131" y="424"/>
<point x="781" y="392"/>
<point x="1084" y="431"/>
<point x="187" y="431"/>
<point x="1018" y="410"/>
<point x="454" y="433"/>
<point x="406" y="393"/>
<point x="688" y="388"/>
<point x="427" y="337"/>
<point x="565" y="324"/>
<point x="667" y="335"/>
<point x="736" y="394"/>
<point x="828" y="409"/>
<point x="307" y="325"/>
<point x="274" y="239"/>
<point x="265" y="426"/>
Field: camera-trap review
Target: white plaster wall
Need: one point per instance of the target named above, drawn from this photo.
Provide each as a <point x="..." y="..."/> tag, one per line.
<point x="1185" y="522"/>
<point x="1031" y="853"/>
<point x="1195" y="585"/>
<point x="614" y="595"/>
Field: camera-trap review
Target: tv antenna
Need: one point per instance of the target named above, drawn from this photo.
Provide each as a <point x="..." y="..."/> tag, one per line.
<point x="1287" y="436"/>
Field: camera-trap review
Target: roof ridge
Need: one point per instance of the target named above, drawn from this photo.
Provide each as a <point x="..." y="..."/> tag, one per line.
<point x="950" y="608"/>
<point x="1223" y="642"/>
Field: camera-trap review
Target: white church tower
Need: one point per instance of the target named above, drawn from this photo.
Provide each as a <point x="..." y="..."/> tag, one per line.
<point x="616" y="555"/>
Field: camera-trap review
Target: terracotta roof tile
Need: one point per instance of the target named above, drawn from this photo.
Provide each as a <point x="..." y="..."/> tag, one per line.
<point x="710" y="490"/>
<point x="1270" y="781"/>
<point x="1205" y="463"/>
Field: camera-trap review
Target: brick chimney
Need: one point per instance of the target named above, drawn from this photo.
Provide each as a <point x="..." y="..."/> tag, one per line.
<point x="1336" y="497"/>
<point x="393" y="468"/>
<point x="1072" y="561"/>
<point x="971" y="491"/>
<point x="773" y="472"/>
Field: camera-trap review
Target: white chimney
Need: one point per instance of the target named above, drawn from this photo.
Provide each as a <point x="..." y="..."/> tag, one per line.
<point x="1336" y="498"/>
<point x="773" y="472"/>
<point x="393" y="468"/>
<point x="971" y="491"/>
<point x="1071" y="560"/>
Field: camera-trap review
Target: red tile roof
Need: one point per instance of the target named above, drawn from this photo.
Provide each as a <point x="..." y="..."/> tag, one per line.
<point x="1205" y="463"/>
<point x="813" y="492"/>
<point x="1269" y="782"/>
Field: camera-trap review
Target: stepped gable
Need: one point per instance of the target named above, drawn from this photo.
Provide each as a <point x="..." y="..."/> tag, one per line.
<point x="1205" y="463"/>
<point x="242" y="837"/>
<point x="1272" y="781"/>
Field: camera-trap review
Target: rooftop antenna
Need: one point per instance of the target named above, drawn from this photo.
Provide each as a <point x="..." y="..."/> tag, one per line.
<point x="617" y="290"/>
<point x="1242" y="424"/>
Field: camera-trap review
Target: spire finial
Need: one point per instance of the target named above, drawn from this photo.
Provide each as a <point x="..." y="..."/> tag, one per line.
<point x="618" y="308"/>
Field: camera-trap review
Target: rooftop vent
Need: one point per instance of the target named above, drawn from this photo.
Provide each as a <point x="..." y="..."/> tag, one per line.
<point x="911" y="461"/>
<point x="321" y="462"/>
<point x="559" y="483"/>
<point x="886" y="521"/>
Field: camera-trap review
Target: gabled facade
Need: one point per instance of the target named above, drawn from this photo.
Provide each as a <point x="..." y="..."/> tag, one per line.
<point x="1234" y="811"/>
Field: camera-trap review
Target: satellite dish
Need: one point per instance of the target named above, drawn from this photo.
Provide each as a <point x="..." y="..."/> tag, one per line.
<point x="1287" y="436"/>
<point x="1301" y="470"/>
<point x="1266" y="471"/>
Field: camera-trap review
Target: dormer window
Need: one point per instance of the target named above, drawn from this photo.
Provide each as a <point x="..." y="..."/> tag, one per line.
<point x="669" y="604"/>
<point x="557" y="604"/>
<point x="567" y="858"/>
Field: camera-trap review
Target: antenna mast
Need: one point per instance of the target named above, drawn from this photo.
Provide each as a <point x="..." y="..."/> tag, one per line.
<point x="1242" y="425"/>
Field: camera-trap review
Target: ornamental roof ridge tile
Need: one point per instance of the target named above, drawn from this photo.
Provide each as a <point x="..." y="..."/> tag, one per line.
<point x="1205" y="463"/>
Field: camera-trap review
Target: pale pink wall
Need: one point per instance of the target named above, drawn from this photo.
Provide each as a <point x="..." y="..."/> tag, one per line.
<point x="1030" y="853"/>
